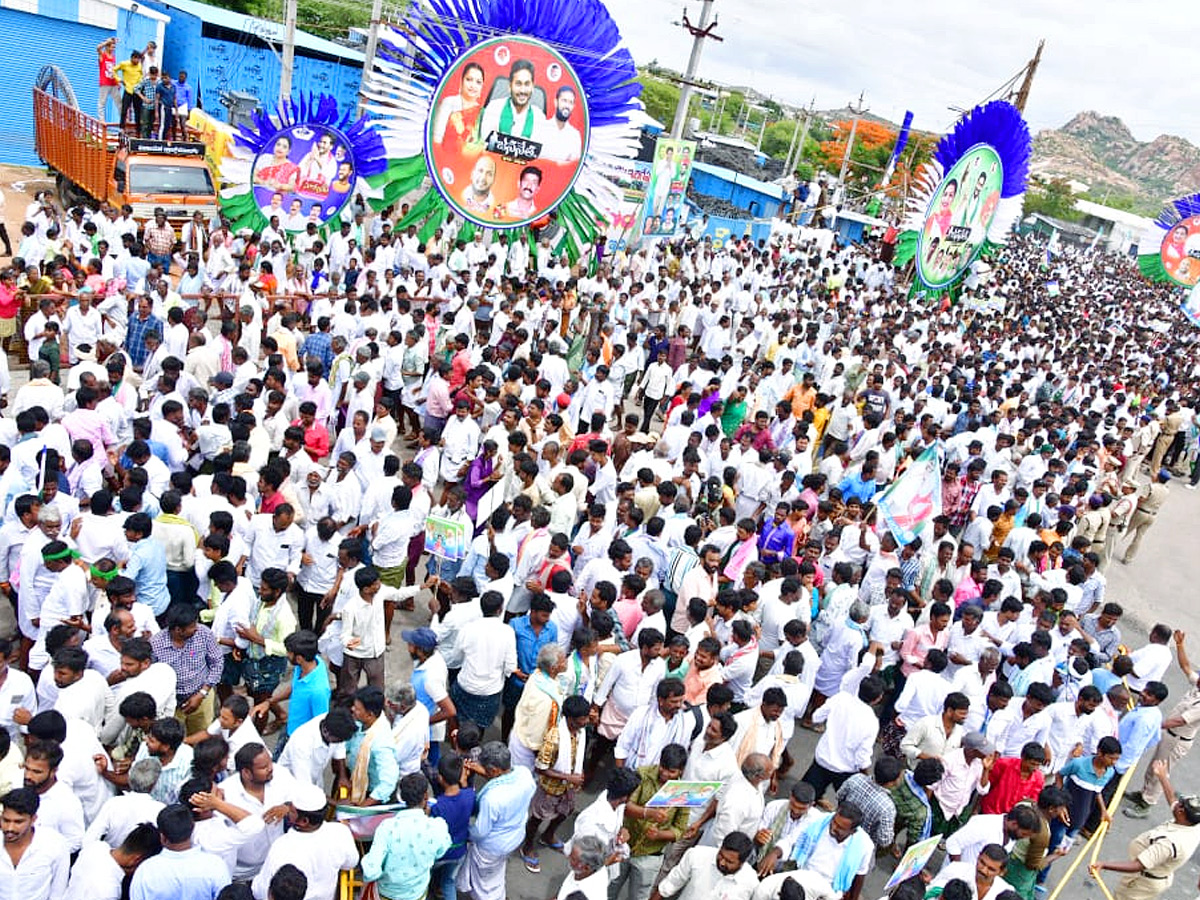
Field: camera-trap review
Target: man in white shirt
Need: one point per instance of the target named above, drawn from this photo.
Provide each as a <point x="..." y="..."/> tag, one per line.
<point x="739" y="806"/>
<point x="121" y="814"/>
<point x="316" y="745"/>
<point x="848" y="743"/>
<point x="258" y="787"/>
<point x="319" y="849"/>
<point x="37" y="861"/>
<point x="58" y="807"/>
<point x="83" y="693"/>
<point x="489" y="649"/>
<point x="1004" y="829"/>
<point x="711" y="872"/>
<point x="100" y="869"/>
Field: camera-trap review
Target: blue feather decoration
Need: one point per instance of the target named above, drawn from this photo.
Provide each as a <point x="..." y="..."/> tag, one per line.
<point x="366" y="146"/>
<point x="1178" y="209"/>
<point x="1000" y="125"/>
<point x="584" y="33"/>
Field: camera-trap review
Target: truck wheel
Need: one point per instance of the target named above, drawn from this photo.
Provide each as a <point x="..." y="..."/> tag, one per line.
<point x="68" y="194"/>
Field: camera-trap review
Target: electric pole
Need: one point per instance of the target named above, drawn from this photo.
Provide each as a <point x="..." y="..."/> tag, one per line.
<point x="858" y="111"/>
<point x="798" y="147"/>
<point x="699" y="33"/>
<point x="290" y="8"/>
<point x="372" y="42"/>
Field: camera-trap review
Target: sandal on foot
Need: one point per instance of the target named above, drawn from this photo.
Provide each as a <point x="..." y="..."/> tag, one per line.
<point x="553" y="845"/>
<point x="532" y="864"/>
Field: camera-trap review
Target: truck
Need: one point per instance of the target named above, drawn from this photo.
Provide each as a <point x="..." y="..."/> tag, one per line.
<point x="92" y="160"/>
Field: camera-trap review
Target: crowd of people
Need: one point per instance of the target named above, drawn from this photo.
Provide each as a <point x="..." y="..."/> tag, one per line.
<point x="652" y="484"/>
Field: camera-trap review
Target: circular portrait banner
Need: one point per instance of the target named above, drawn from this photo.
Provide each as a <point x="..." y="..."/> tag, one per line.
<point x="305" y="175"/>
<point x="507" y="132"/>
<point x="959" y="216"/>
<point x="1180" y="252"/>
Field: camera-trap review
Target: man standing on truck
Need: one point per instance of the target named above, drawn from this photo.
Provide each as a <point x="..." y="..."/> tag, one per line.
<point x="148" y="91"/>
<point x="183" y="100"/>
<point x="110" y="88"/>
<point x="130" y="73"/>
<point x="165" y="94"/>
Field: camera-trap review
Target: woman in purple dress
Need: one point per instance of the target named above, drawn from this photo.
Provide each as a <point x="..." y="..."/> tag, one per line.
<point x="481" y="476"/>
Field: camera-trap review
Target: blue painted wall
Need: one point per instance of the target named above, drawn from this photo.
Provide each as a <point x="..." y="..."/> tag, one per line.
<point x="217" y="65"/>
<point x="759" y="204"/>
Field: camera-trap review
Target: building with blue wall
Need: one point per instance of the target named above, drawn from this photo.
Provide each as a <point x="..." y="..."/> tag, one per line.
<point x="221" y="50"/>
<point x="63" y="33"/>
<point x="760" y="199"/>
<point x="227" y="51"/>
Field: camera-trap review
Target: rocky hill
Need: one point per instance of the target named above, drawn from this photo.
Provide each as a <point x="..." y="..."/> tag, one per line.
<point x="1101" y="152"/>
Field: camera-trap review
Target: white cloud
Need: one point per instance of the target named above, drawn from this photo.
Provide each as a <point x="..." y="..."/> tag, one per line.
<point x="1106" y="55"/>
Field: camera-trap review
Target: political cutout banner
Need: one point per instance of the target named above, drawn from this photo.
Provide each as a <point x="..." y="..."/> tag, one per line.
<point x="912" y="502"/>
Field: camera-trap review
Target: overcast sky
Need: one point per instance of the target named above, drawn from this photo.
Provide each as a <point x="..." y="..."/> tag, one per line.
<point x="1106" y="55"/>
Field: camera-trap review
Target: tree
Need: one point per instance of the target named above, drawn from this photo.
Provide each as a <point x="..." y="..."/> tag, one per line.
<point x="872" y="148"/>
<point x="661" y="99"/>
<point x="1054" y="198"/>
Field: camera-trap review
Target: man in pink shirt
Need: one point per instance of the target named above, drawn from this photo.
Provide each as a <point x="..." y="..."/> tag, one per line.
<point x="920" y="640"/>
<point x="85" y="424"/>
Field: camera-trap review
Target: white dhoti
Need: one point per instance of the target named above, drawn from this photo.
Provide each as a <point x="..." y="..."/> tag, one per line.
<point x="521" y="755"/>
<point x="482" y="874"/>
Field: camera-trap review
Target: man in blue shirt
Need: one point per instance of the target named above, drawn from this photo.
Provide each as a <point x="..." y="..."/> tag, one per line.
<point x="534" y="630"/>
<point x="861" y="485"/>
<point x="147" y="564"/>
<point x="499" y="825"/>
<point x="1139" y="732"/>
<point x="370" y="752"/>
<point x="181" y="871"/>
<point x="308" y="689"/>
<point x="406" y="846"/>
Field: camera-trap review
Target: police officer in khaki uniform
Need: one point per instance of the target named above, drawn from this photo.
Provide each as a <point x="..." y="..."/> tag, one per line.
<point x="1180" y="728"/>
<point x="1157" y="853"/>
<point x="1171" y="426"/>
<point x="1150" y="498"/>
<point x="1094" y="524"/>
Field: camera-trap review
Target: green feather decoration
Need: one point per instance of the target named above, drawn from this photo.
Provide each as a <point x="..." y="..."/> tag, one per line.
<point x="1151" y="267"/>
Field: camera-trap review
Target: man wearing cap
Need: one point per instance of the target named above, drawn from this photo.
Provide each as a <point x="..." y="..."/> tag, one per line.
<point x="430" y="682"/>
<point x="967" y="773"/>
<point x="222" y="383"/>
<point x="1150" y="498"/>
<point x="319" y="849"/>
<point x="1156" y="854"/>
